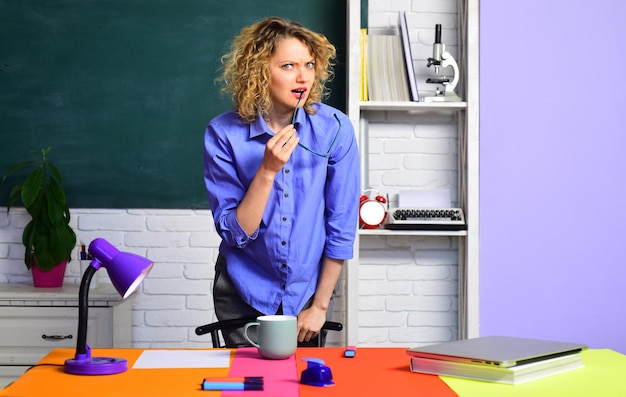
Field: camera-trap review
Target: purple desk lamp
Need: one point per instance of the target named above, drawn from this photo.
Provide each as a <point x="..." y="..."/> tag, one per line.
<point x="126" y="272"/>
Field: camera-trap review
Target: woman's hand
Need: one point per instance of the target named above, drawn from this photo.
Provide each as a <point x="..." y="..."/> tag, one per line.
<point x="310" y="323"/>
<point x="279" y="148"/>
<point x="311" y="320"/>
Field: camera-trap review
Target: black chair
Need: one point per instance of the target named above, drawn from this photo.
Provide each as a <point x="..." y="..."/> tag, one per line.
<point x="215" y="329"/>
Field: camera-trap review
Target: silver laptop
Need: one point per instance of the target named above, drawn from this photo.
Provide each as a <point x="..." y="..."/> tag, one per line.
<point x="500" y="351"/>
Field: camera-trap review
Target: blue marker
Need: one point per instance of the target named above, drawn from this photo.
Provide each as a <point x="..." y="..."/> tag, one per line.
<point x="246" y="383"/>
<point x="231" y="386"/>
<point x="350" y="351"/>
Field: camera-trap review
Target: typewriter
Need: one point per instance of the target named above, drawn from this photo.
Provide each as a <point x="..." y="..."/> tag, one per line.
<point x="425" y="219"/>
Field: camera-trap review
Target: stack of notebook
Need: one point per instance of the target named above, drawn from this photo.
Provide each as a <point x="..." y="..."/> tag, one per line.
<point x="500" y="359"/>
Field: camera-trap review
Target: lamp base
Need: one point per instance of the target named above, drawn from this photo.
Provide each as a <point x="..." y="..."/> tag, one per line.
<point x="96" y="366"/>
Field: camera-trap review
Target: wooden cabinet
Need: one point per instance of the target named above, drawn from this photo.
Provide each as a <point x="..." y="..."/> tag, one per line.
<point x="35" y="321"/>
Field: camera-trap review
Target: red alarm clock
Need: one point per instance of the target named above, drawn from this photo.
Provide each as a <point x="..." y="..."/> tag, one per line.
<point x="372" y="212"/>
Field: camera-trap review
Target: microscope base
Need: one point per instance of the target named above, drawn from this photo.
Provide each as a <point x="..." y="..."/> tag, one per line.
<point x="448" y="97"/>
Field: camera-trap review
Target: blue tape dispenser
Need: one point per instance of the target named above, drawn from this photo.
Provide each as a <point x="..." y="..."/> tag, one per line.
<point x="316" y="373"/>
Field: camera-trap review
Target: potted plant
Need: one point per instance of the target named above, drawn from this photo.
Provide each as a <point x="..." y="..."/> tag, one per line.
<point x="48" y="238"/>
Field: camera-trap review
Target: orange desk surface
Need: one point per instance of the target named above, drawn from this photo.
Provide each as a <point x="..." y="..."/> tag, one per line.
<point x="372" y="372"/>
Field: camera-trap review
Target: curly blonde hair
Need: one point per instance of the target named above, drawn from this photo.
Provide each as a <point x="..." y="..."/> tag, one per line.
<point x="245" y="69"/>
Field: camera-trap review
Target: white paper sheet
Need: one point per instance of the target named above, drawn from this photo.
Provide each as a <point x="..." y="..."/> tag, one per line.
<point x="183" y="359"/>
<point x="424" y="198"/>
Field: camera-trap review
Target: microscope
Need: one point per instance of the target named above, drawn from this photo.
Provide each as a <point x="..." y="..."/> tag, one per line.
<point x="440" y="60"/>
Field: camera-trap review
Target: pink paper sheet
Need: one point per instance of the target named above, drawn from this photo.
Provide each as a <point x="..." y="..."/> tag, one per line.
<point x="281" y="376"/>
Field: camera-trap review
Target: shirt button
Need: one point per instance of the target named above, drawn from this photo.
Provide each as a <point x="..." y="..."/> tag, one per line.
<point x="287" y="171"/>
<point x="284" y="265"/>
<point x="242" y="239"/>
<point x="286" y="194"/>
<point x="283" y="243"/>
<point x="284" y="218"/>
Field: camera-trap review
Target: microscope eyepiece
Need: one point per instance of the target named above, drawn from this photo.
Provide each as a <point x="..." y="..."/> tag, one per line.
<point x="438" y="33"/>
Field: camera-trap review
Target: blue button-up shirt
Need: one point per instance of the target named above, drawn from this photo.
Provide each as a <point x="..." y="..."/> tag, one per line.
<point x="311" y="212"/>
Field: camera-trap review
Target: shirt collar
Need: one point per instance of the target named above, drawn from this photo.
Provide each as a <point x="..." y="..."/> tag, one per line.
<point x="260" y="127"/>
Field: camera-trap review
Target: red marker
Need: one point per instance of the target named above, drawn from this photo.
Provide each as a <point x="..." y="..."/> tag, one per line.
<point x="83" y="252"/>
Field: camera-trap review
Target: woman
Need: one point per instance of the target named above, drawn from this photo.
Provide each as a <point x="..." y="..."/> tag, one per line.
<point x="282" y="175"/>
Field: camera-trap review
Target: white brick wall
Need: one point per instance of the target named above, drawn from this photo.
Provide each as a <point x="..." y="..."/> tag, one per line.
<point x="175" y="298"/>
<point x="407" y="290"/>
<point x="407" y="285"/>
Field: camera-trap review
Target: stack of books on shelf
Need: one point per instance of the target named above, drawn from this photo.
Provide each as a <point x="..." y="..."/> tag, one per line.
<point x="364" y="92"/>
<point x="387" y="72"/>
<point x="498" y="359"/>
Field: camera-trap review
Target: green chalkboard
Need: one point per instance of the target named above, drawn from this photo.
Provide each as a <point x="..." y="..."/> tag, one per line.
<point x="123" y="89"/>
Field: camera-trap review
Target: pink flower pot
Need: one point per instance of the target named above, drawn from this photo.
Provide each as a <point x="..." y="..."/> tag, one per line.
<point x="52" y="278"/>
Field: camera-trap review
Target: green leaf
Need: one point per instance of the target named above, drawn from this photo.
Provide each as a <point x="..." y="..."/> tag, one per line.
<point x="54" y="247"/>
<point x="28" y="260"/>
<point x="28" y="238"/>
<point x="14" y="195"/>
<point x="56" y="191"/>
<point x="32" y="187"/>
<point x="44" y="260"/>
<point x="61" y="239"/>
<point x="54" y="211"/>
<point x="16" y="167"/>
<point x="36" y="209"/>
<point x="43" y="249"/>
<point x="55" y="172"/>
<point x="66" y="217"/>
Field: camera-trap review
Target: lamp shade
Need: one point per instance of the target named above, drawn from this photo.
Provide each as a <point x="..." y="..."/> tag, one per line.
<point x="126" y="270"/>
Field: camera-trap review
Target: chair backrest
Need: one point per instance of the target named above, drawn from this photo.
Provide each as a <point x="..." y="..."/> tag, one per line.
<point x="215" y="329"/>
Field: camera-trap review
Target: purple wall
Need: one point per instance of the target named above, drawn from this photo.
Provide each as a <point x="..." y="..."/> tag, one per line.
<point x="553" y="170"/>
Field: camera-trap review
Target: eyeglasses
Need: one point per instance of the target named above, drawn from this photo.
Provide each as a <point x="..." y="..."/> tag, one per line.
<point x="332" y="144"/>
